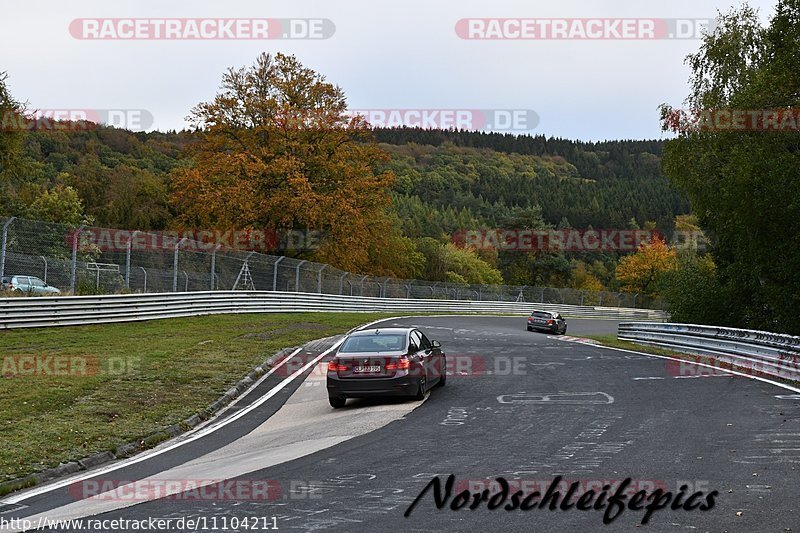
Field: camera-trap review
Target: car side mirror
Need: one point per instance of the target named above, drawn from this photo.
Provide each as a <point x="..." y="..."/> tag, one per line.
<point x="436" y="344"/>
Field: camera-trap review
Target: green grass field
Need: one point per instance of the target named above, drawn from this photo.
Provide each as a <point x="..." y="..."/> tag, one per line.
<point x="121" y="382"/>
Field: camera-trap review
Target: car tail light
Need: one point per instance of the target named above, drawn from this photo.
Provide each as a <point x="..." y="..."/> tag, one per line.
<point x="549" y="321"/>
<point x="401" y="364"/>
<point x="333" y="366"/>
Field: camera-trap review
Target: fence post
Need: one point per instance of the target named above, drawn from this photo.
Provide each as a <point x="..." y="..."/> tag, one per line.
<point x="383" y="288"/>
<point x="341" y="283"/>
<point x="361" y="293"/>
<point x="128" y="259"/>
<point x="186" y="286"/>
<point x="275" y="273"/>
<point x="75" y="237"/>
<point x="3" y="253"/>
<point x="214" y="264"/>
<point x="319" y="279"/>
<point x="297" y="275"/>
<point x="175" y="265"/>
<point x="144" y="291"/>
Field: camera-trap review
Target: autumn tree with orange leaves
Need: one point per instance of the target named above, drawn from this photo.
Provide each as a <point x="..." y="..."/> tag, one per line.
<point x="640" y="272"/>
<point x="277" y="150"/>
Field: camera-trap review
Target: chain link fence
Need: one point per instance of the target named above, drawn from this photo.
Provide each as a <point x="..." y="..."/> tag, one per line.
<point x="91" y="260"/>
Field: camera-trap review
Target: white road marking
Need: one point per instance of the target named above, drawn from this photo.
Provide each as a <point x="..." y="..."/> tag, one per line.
<point x="704" y="376"/>
<point x="563" y="398"/>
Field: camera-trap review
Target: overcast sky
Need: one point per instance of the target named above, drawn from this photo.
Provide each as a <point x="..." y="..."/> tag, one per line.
<point x="385" y="55"/>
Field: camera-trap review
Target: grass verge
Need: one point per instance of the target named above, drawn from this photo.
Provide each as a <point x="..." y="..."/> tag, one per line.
<point x="70" y="392"/>
<point x="614" y="342"/>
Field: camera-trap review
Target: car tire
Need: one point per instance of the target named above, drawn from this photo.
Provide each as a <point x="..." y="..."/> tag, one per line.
<point x="530" y="328"/>
<point x="564" y="331"/>
<point x="420" y="395"/>
<point x="443" y="378"/>
<point x="337" y="402"/>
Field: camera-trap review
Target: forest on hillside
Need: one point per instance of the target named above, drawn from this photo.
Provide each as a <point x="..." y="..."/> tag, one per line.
<point x="446" y="181"/>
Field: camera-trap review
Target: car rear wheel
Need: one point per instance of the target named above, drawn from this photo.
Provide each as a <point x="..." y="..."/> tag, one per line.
<point x="443" y="376"/>
<point x="337" y="402"/>
<point x="420" y="391"/>
<point x="530" y="328"/>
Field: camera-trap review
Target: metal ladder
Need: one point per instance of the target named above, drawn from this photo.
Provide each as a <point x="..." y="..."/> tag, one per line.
<point x="245" y="278"/>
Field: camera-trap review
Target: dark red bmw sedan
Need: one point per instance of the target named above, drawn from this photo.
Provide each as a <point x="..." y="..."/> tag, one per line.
<point x="385" y="362"/>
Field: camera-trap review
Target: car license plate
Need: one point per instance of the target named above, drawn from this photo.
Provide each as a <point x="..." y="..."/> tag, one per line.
<point x="365" y="369"/>
<point x="539" y="321"/>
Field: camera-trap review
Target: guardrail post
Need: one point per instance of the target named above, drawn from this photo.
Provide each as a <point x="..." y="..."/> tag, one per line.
<point x="75" y="237"/>
<point x="45" y="268"/>
<point x="297" y="275"/>
<point x="275" y="273"/>
<point x="144" y="290"/>
<point x="175" y="265"/>
<point x="319" y="279"/>
<point x="3" y="252"/>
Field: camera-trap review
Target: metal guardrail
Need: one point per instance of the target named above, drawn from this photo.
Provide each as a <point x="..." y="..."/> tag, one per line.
<point x="81" y="310"/>
<point x="759" y="352"/>
<point x="67" y="257"/>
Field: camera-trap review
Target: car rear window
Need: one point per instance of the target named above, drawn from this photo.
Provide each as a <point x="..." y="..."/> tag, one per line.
<point x="541" y="314"/>
<point x="374" y="343"/>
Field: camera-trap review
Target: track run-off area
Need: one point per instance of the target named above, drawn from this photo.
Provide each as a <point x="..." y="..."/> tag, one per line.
<point x="539" y="411"/>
